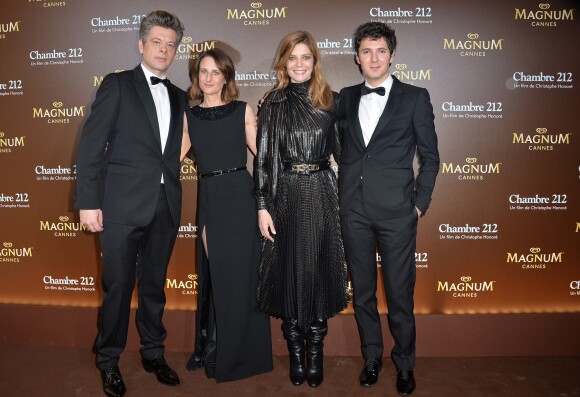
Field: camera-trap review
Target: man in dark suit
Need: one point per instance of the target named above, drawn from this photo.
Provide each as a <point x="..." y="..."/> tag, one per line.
<point x="128" y="189"/>
<point x="383" y="124"/>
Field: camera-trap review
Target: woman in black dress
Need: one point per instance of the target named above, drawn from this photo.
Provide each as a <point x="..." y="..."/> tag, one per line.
<point x="232" y="335"/>
<point x="303" y="268"/>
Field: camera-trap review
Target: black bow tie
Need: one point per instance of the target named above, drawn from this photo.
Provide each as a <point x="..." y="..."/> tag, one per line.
<point x="156" y="80"/>
<point x="366" y="90"/>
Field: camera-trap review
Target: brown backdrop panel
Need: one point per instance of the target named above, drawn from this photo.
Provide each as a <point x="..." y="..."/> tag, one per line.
<point x="502" y="234"/>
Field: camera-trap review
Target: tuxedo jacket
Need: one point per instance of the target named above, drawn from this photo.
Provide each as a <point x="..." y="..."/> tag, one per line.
<point x="383" y="170"/>
<point x="119" y="161"/>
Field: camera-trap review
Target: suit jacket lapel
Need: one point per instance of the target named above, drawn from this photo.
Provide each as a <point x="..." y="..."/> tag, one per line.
<point x="353" y="116"/>
<point x="395" y="99"/>
<point x="144" y="92"/>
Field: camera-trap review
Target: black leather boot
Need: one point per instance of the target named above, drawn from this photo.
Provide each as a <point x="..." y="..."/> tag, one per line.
<point x="295" y="340"/>
<point x="315" y="340"/>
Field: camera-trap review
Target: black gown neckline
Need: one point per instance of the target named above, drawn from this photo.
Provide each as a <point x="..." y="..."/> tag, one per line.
<point x="215" y="112"/>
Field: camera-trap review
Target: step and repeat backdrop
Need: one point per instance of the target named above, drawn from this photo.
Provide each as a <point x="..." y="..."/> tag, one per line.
<point x="503" y="231"/>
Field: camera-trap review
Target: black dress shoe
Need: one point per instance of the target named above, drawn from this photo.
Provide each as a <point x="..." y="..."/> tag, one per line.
<point x="405" y="382"/>
<point x="113" y="382"/>
<point x="164" y="374"/>
<point x="370" y="372"/>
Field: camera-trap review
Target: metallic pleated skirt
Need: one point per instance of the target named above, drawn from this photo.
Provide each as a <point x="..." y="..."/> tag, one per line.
<point x="303" y="272"/>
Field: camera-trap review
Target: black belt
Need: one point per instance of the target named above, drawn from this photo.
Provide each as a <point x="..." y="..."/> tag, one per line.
<point x="221" y="172"/>
<point x="306" y="168"/>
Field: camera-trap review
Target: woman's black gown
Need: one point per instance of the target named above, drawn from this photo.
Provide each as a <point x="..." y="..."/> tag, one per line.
<point x="303" y="273"/>
<point x="227" y="314"/>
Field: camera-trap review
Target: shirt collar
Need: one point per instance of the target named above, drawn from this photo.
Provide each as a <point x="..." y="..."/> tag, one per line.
<point x="148" y="75"/>
<point x="388" y="83"/>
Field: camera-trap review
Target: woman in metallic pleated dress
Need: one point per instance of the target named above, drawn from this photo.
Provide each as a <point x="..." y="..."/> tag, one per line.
<point x="303" y="269"/>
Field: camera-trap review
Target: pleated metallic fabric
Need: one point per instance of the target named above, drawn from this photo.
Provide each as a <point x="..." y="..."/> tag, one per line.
<point x="303" y="272"/>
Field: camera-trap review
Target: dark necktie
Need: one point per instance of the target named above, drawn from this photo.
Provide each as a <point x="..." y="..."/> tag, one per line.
<point x="156" y="80"/>
<point x="367" y="90"/>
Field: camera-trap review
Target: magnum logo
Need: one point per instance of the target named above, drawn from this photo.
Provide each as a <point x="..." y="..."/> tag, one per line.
<point x="58" y="114"/>
<point x="473" y="46"/>
<point x="256" y="15"/>
<point x="48" y="3"/>
<point x="541" y="140"/>
<point x="63" y="228"/>
<point x="470" y="170"/>
<point x="543" y="16"/>
<point x="188" y="287"/>
<point x="188" y="170"/>
<point x="535" y="259"/>
<point x="189" y="50"/>
<point x="10" y="27"/>
<point x="410" y="76"/>
<point x="6" y="144"/>
<point x="466" y="288"/>
<point x="10" y="254"/>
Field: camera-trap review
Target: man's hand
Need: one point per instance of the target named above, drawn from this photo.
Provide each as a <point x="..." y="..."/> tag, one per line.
<point x="92" y="219"/>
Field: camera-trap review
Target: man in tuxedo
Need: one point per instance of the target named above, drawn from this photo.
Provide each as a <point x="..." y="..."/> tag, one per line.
<point x="128" y="189"/>
<point x="383" y="123"/>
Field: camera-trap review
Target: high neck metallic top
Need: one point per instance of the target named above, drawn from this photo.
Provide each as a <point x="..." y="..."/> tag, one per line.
<point x="291" y="130"/>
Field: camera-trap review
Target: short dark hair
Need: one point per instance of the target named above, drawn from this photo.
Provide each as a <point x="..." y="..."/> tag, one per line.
<point x="375" y="31"/>
<point x="225" y="65"/>
<point x="162" y="19"/>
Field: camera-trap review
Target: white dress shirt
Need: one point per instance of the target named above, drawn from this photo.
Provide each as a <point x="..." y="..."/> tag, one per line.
<point x="162" y="107"/>
<point x="371" y="107"/>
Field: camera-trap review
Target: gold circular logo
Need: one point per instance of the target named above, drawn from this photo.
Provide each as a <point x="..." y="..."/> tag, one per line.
<point x="544" y="6"/>
<point x="466" y="279"/>
<point x="7" y="245"/>
<point x="187" y="39"/>
<point x="256" y="5"/>
<point x="1" y="134"/>
<point x="192" y="277"/>
<point x="535" y="250"/>
<point x="63" y="218"/>
<point x="187" y="160"/>
<point x="471" y="160"/>
<point x="401" y="66"/>
<point x="57" y="104"/>
<point x="541" y="130"/>
<point x="473" y="36"/>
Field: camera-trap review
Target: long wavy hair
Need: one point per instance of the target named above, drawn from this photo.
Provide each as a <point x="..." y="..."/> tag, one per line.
<point x="318" y="90"/>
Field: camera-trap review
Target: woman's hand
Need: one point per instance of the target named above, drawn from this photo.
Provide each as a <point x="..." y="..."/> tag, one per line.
<point x="266" y="224"/>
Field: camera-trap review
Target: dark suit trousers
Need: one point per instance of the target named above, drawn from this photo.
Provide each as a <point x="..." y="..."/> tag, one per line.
<point x="129" y="253"/>
<point x="397" y="240"/>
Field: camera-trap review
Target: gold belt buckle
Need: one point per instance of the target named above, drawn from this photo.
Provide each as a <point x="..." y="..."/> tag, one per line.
<point x="305" y="167"/>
